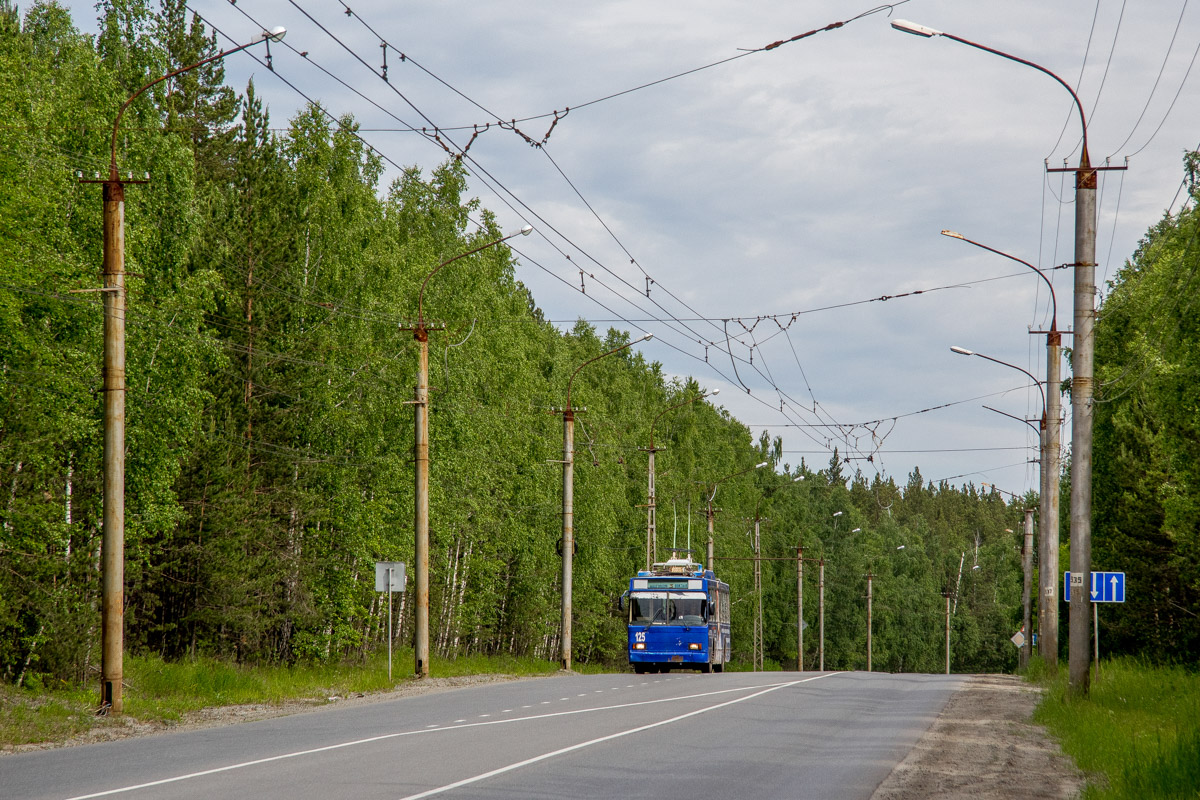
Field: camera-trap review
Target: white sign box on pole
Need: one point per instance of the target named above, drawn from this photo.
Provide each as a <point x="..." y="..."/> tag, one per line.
<point x="397" y="576"/>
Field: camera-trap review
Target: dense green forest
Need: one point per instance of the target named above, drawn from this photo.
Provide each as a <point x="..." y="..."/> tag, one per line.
<point x="270" y="439"/>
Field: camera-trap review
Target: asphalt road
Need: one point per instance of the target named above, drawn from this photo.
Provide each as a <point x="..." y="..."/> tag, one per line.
<point x="684" y="735"/>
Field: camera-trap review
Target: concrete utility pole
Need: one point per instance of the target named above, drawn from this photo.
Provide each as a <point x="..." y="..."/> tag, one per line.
<point x="869" y="621"/>
<point x="421" y="462"/>
<point x="1050" y="438"/>
<point x="568" y="501"/>
<point x="112" y="562"/>
<point x="651" y="506"/>
<point x="1082" y="362"/>
<point x="821" y="613"/>
<point x="1027" y="567"/>
<point x="758" y="618"/>
<point x="800" y="608"/>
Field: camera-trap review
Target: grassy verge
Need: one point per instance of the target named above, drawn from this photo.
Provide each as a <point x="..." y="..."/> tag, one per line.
<point x="158" y="691"/>
<point x="1137" y="734"/>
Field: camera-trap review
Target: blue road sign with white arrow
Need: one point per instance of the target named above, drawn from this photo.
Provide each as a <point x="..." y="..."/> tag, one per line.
<point x="1107" y="587"/>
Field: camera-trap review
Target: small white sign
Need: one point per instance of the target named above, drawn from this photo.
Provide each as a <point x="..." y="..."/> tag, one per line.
<point x="1019" y="639"/>
<point x="1076" y="580"/>
<point x="381" y="576"/>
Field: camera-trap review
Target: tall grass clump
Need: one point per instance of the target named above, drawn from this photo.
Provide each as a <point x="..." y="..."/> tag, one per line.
<point x="1138" y="733"/>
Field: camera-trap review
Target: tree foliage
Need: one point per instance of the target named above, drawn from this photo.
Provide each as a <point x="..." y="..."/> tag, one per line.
<point x="270" y="436"/>
<point x="1146" y="455"/>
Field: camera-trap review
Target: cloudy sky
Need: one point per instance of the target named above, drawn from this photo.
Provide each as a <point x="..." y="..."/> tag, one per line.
<point x="770" y="201"/>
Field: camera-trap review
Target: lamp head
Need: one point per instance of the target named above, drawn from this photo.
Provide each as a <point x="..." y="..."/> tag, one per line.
<point x="714" y="391"/>
<point x="276" y="34"/>
<point x="905" y="26"/>
<point x="901" y="547"/>
<point x="954" y="235"/>
<point x="647" y="337"/>
<point x="528" y="229"/>
<point x="962" y="351"/>
<point x="760" y="466"/>
<point x="837" y="513"/>
<point x="855" y="530"/>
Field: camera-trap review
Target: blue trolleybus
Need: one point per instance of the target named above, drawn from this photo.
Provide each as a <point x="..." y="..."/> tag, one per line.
<point x="678" y="618"/>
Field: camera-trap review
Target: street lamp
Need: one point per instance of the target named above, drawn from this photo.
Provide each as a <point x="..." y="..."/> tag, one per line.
<point x="710" y="512"/>
<point x="1027" y="549"/>
<point x="1082" y="380"/>
<point x="421" y="462"/>
<point x="1049" y="495"/>
<point x="651" y="531"/>
<point x="112" y="565"/>
<point x="568" y="497"/>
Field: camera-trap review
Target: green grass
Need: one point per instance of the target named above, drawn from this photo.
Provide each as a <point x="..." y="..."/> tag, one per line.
<point x="1138" y="733"/>
<point x="159" y="691"/>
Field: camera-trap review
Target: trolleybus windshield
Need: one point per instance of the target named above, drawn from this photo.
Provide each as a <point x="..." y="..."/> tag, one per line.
<point x="668" y="608"/>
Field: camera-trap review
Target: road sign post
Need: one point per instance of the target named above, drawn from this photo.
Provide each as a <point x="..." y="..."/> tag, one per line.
<point x="1106" y="587"/>
<point x="389" y="577"/>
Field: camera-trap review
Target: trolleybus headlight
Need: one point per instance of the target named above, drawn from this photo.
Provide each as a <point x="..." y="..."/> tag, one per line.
<point x="694" y="646"/>
<point x="639" y="646"/>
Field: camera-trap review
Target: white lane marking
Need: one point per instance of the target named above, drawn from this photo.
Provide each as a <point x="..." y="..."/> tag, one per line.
<point x="563" y="751"/>
<point x="457" y="721"/>
<point x="545" y="702"/>
<point x="400" y="734"/>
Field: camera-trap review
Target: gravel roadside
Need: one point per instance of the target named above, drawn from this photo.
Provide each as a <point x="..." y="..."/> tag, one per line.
<point x="985" y="746"/>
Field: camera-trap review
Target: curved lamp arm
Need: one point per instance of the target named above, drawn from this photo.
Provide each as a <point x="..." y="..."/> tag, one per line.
<point x="273" y="35"/>
<point x="733" y="475"/>
<point x="1049" y="285"/>
<point x="421" y="295"/>
<point x="962" y="351"/>
<point x="647" y="337"/>
<point x="921" y="30"/>
<point x="678" y="405"/>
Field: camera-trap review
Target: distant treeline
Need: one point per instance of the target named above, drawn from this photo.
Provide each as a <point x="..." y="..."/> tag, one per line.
<point x="270" y="435"/>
